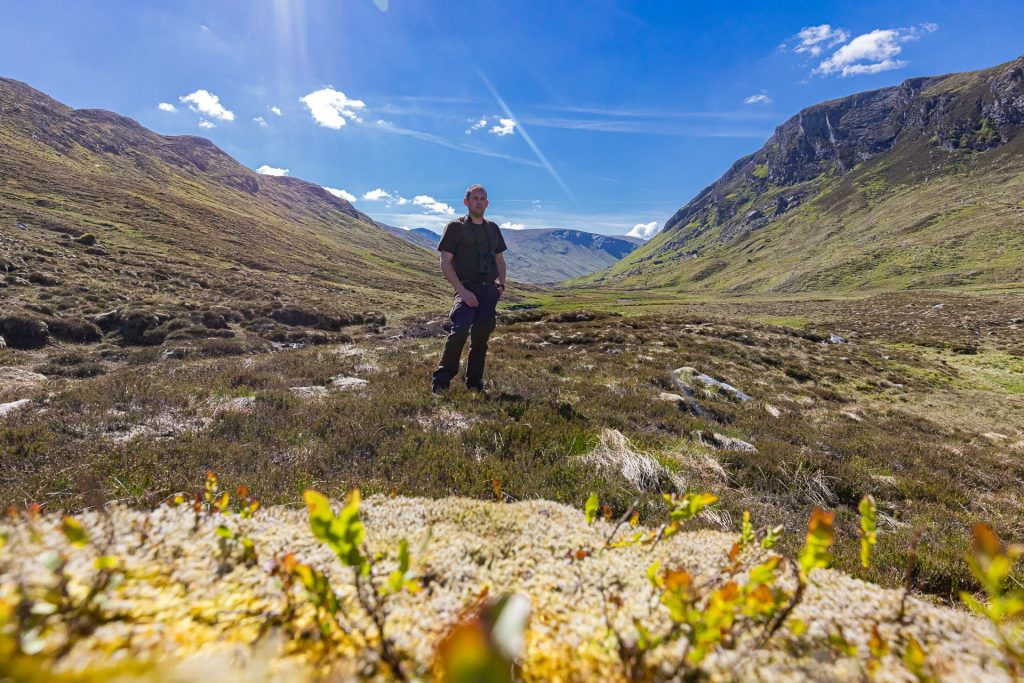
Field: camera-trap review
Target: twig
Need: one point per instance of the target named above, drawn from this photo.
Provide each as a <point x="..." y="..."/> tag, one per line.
<point x="375" y="610"/>
<point x="622" y="520"/>
<point x="781" y="617"/>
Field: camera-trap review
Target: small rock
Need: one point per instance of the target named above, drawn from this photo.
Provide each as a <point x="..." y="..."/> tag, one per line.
<point x="853" y="416"/>
<point x="340" y="383"/>
<point x="665" y="396"/>
<point x="309" y="392"/>
<point x="995" y="436"/>
<point x="835" y="339"/>
<point x="6" y="408"/>
<point x="241" y="404"/>
<point x="681" y="375"/>
<point x="772" y="410"/>
<point x="722" y="442"/>
<point x="3" y="343"/>
<point x="174" y="354"/>
<point x="16" y="381"/>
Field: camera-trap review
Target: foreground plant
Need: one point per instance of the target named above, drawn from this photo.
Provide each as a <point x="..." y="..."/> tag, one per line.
<point x="991" y="562"/>
<point x="53" y="615"/>
<point x="345" y="535"/>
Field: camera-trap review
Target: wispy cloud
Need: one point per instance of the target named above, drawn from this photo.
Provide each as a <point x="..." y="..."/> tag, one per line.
<point x="711" y="129"/>
<point x="873" y="52"/>
<point x="203" y="123"/>
<point x="813" y="40"/>
<point x="526" y="137"/>
<point x="760" y="98"/>
<point x="207" y="103"/>
<point x="644" y="231"/>
<point x="341" y="194"/>
<point x="389" y="127"/>
<point x="509" y="225"/>
<point x="270" y="170"/>
<point x="261" y="121"/>
<point x="477" y="125"/>
<point x="330" y="108"/>
<point x="167" y="106"/>
<point x="275" y="110"/>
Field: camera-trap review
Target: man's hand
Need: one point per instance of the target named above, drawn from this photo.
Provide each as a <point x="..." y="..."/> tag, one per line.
<point x="469" y="298"/>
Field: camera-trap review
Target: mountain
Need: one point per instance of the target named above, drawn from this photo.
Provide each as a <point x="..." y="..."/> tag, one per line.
<point x="100" y="213"/>
<point x="419" y="236"/>
<point x="548" y="255"/>
<point x="916" y="185"/>
<point x="551" y="255"/>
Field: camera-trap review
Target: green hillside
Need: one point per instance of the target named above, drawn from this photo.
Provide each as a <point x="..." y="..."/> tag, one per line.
<point x="914" y="186"/>
<point x="99" y="213"/>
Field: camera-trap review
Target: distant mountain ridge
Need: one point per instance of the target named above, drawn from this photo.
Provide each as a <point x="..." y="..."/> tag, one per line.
<point x="912" y="185"/>
<point x="546" y="255"/>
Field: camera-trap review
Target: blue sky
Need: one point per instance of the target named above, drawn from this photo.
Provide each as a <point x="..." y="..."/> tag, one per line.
<point x="601" y="115"/>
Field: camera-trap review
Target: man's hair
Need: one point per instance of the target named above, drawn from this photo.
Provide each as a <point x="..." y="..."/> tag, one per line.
<point x="475" y="186"/>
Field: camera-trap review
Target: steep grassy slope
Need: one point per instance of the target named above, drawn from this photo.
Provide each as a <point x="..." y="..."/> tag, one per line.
<point x="919" y="185"/>
<point x="97" y="212"/>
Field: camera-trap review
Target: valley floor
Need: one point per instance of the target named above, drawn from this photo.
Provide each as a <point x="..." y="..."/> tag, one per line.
<point x="916" y="398"/>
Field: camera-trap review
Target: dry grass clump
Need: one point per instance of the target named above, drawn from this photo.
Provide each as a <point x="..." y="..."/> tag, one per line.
<point x="615" y="454"/>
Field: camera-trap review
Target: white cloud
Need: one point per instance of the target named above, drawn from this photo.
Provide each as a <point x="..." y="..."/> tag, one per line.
<point x="477" y="125"/>
<point x="207" y="103"/>
<point x="167" y="106"/>
<point x="872" y="52"/>
<point x="432" y="204"/>
<point x="341" y="194"/>
<point x="813" y="39"/>
<point x="761" y="98"/>
<point x="331" y="107"/>
<point x="203" y="123"/>
<point x="275" y="110"/>
<point x="504" y="127"/>
<point x="512" y="226"/>
<point x="376" y="195"/>
<point x="270" y="170"/>
<point x="644" y="231"/>
<point x="260" y="120"/>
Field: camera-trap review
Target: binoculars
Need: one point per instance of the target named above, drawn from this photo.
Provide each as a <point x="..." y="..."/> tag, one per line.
<point x="485" y="263"/>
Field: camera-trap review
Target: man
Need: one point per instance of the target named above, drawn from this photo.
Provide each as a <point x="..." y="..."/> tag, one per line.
<point x="472" y="261"/>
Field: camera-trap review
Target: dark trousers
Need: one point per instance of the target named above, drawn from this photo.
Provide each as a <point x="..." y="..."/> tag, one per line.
<point x="476" y="324"/>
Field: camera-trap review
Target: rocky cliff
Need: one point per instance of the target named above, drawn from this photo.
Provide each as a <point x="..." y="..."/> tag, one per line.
<point x="839" y="159"/>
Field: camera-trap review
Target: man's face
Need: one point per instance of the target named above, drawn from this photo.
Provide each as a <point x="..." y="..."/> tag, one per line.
<point x="476" y="202"/>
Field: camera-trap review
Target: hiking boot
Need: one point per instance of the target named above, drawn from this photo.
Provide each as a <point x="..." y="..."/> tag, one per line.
<point x="438" y="389"/>
<point x="479" y="388"/>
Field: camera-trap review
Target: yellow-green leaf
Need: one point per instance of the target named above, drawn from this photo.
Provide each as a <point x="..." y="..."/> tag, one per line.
<point x="590" y="508"/>
<point x="819" y="538"/>
<point x="106" y="563"/>
<point x="868" y="533"/>
<point x="75" y="532"/>
<point x="746" y="531"/>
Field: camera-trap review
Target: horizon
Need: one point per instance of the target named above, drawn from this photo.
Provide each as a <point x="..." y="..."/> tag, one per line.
<point x="658" y="100"/>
